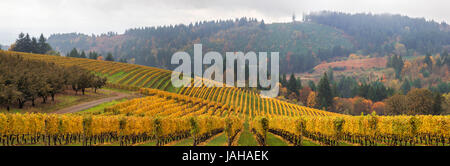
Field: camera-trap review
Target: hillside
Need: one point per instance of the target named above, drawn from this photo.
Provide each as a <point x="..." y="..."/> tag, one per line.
<point x="154" y="46"/>
<point x="134" y="77"/>
<point x="378" y="33"/>
<point x="365" y="68"/>
<point x="195" y="115"/>
<point x="321" y="36"/>
<point x="365" y="80"/>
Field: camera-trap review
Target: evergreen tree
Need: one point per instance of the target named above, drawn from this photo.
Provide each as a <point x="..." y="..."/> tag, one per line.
<point x="347" y="87"/>
<point x="312" y="85"/>
<point x="299" y="84"/>
<point x="324" y="93"/>
<point x="123" y="60"/>
<point x="34" y="46"/>
<point x="406" y="86"/>
<point x="43" y="46"/>
<point x="377" y="91"/>
<point x="262" y="25"/>
<point x="330" y="75"/>
<point x="20" y="43"/>
<point x="74" y="53"/>
<point x="292" y="85"/>
<point x="27" y="47"/>
<point x="397" y="63"/>
<point x="109" y="57"/>
<point x="283" y="80"/>
<point x="83" y="55"/>
<point x="93" y="55"/>
<point x="334" y="90"/>
<point x="417" y="83"/>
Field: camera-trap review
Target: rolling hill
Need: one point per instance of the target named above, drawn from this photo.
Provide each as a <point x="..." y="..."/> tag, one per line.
<point x="153" y="46"/>
<point x="134" y="77"/>
<point x="195" y="115"/>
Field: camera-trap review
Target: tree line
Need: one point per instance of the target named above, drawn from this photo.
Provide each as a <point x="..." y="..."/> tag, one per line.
<point x="350" y="96"/>
<point x="23" y="80"/>
<point x="328" y="88"/>
<point x="28" y="44"/>
<point x="300" y="46"/>
<point x="25" y="43"/>
<point x="92" y="55"/>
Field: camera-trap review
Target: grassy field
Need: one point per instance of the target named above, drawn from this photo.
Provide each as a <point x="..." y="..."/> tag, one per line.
<point x="247" y="138"/>
<point x="309" y="143"/>
<point x="273" y="140"/>
<point x="184" y="142"/>
<point x="220" y="140"/>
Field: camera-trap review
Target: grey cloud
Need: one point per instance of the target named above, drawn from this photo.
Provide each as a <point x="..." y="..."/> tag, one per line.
<point x="89" y="16"/>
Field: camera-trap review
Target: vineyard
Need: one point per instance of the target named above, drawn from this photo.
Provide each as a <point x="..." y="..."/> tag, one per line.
<point x="134" y="77"/>
<point x="42" y="129"/>
<point x="371" y="130"/>
<point x="166" y="115"/>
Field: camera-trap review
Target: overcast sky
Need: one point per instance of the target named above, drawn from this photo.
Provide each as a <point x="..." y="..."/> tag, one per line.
<point x="100" y="16"/>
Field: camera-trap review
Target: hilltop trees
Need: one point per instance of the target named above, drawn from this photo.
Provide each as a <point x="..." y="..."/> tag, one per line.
<point x="24" y="81"/>
<point x="91" y="55"/>
<point x="31" y="45"/>
<point x="43" y="46"/>
<point x="297" y="44"/>
<point x="74" y="53"/>
<point x="109" y="57"/>
<point x="262" y="25"/>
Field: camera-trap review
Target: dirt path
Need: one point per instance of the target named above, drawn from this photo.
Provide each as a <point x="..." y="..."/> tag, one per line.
<point x="86" y="105"/>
